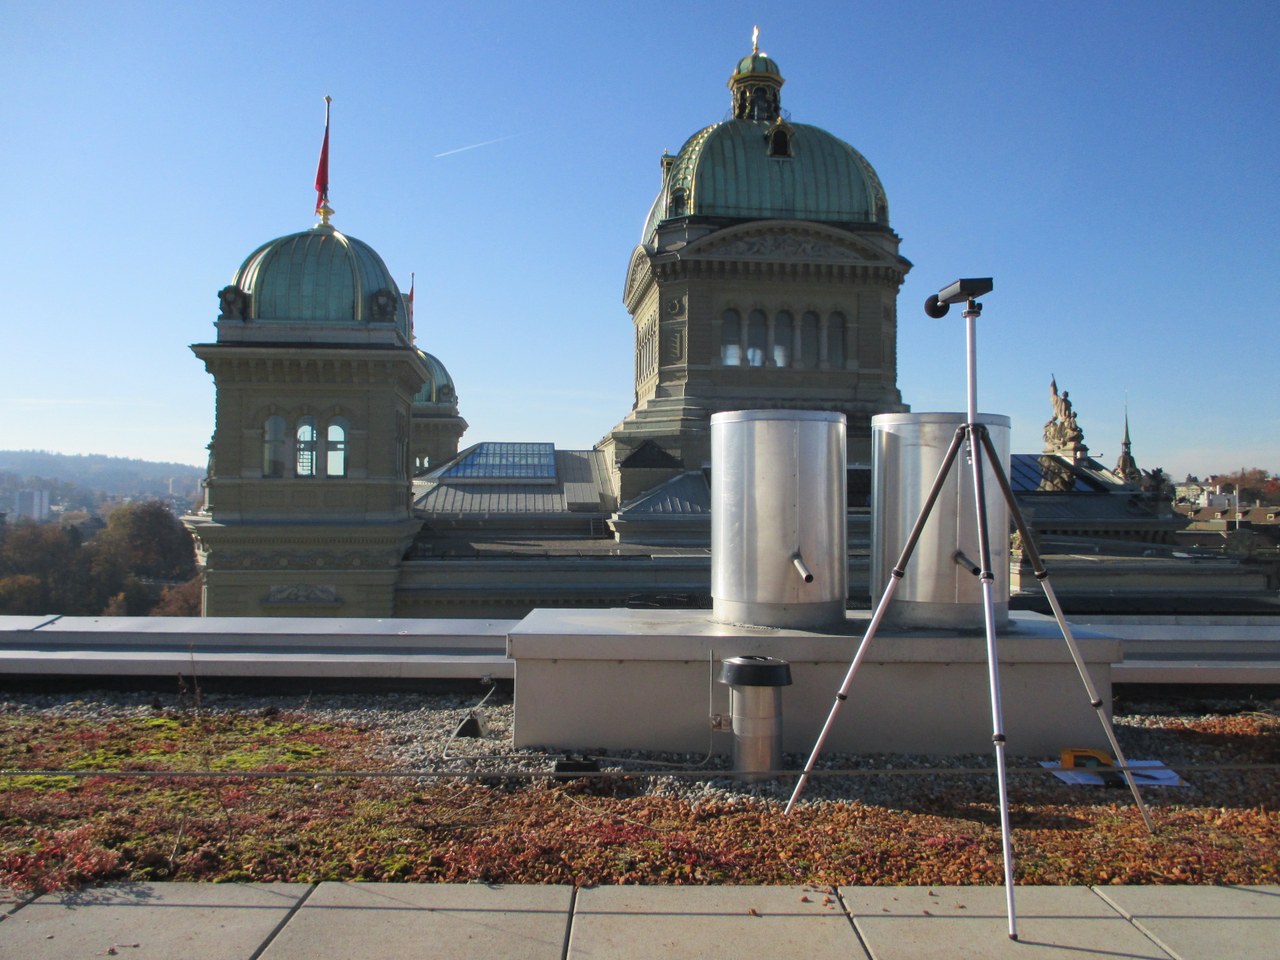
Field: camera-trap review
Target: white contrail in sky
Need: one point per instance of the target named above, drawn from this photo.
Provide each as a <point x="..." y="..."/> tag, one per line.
<point x="474" y="146"/>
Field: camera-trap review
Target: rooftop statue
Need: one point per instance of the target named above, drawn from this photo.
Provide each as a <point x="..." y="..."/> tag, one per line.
<point x="1062" y="434"/>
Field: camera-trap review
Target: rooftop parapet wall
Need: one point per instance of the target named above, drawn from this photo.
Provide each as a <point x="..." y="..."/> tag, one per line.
<point x="638" y="680"/>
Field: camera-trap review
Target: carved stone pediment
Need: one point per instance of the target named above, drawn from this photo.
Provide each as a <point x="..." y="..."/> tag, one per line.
<point x="807" y="246"/>
<point x="638" y="271"/>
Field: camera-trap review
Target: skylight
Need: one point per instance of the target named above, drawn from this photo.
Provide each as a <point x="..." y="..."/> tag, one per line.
<point x="504" y="461"/>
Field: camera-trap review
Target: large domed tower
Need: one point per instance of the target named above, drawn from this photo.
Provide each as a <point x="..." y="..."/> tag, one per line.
<point x="766" y="277"/>
<point x="308" y="509"/>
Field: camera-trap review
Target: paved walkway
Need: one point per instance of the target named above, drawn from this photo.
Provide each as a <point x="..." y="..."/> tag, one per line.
<point x="374" y="921"/>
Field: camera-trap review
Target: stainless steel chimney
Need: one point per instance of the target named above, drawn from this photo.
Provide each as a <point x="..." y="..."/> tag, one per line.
<point x="936" y="591"/>
<point x="778" y="518"/>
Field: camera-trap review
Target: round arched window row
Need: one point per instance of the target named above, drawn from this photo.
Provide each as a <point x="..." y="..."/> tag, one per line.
<point x="313" y="454"/>
<point x="782" y="341"/>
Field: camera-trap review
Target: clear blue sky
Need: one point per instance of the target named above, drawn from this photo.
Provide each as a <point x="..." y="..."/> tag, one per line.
<point x="1112" y="165"/>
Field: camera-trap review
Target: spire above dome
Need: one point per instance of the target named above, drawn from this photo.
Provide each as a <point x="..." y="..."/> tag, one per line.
<point x="756" y="85"/>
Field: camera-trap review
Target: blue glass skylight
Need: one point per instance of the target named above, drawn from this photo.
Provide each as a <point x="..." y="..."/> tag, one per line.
<point x="1031" y="473"/>
<point x="505" y="461"/>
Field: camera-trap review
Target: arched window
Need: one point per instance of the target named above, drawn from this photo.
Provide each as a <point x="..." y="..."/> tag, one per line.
<point x="273" y="447"/>
<point x="335" y="448"/>
<point x="679" y="202"/>
<point x="757" y="338"/>
<point x="731" y="338"/>
<point x="782" y="333"/>
<point x="779" y="143"/>
<point x="305" y="448"/>
<point x="809" y="340"/>
<point x="835" y="341"/>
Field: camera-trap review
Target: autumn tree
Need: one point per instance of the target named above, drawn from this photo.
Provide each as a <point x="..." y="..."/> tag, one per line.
<point x="146" y="540"/>
<point x="135" y="599"/>
<point x="43" y="569"/>
<point x="181" y="600"/>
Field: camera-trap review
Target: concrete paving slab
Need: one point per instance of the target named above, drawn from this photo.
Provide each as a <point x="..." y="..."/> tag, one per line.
<point x="915" y="923"/>
<point x="11" y="901"/>
<point x="150" y="921"/>
<point x="1212" y="923"/>
<point x="460" y="921"/>
<point x="648" y="923"/>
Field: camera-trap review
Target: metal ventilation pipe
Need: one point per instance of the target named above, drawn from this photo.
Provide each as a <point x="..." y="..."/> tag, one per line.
<point x="755" y="706"/>
<point x="778" y="518"/>
<point x="938" y="588"/>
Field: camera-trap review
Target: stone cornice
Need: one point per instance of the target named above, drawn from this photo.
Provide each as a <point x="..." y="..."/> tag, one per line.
<point x="888" y="275"/>
<point x="249" y="365"/>
<point x="345" y="535"/>
<point x="780" y="250"/>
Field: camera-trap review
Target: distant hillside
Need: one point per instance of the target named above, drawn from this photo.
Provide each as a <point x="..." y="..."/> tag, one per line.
<point x="112" y="476"/>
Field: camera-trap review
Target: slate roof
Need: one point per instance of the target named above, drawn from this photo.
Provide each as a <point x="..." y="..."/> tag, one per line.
<point x="577" y="484"/>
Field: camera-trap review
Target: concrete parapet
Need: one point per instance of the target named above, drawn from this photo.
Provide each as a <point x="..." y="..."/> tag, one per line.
<point x="641" y="679"/>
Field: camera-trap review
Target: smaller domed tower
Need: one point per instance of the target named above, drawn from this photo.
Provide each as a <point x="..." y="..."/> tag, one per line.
<point x="437" y="426"/>
<point x="308" y="495"/>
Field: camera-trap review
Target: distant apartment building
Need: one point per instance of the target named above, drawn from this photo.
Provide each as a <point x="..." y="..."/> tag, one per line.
<point x="32" y="505"/>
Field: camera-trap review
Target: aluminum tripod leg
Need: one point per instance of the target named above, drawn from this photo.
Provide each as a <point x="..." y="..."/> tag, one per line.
<point x="891" y="587"/>
<point x="1042" y="575"/>
<point x="987" y="577"/>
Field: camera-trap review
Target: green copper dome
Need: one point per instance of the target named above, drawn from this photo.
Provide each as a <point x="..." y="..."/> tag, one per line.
<point x="438" y="388"/>
<point x="760" y="166"/>
<point x="319" y="277"/>
<point x="732" y="170"/>
<point x="756" y="63"/>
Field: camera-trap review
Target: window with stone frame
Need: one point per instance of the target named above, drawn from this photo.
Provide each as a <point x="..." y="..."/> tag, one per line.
<point x="335" y="448"/>
<point x="757" y="338"/>
<point x="273" y="446"/>
<point x="731" y="338"/>
<point x="783" y="332"/>
<point x="305" y="448"/>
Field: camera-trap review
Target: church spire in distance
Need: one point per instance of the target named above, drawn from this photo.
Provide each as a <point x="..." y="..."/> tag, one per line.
<point x="1126" y="466"/>
<point x="323" y="210"/>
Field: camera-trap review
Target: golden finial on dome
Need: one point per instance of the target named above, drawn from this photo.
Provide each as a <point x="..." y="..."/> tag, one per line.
<point x="755" y="39"/>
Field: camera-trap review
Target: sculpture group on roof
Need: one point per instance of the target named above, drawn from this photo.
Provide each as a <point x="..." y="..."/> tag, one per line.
<point x="1062" y="434"/>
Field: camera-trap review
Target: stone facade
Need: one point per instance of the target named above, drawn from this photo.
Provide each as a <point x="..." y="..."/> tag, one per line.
<point x="767" y="314"/>
<point x="326" y="539"/>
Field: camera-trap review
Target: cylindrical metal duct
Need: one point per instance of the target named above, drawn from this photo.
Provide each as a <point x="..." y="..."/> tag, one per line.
<point x="778" y="518"/>
<point x="755" y="706"/>
<point x="938" y="588"/>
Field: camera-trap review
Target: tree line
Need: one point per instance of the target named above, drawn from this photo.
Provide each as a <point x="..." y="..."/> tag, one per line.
<point x="141" y="563"/>
<point x="1253" y="484"/>
<point x="109" y="476"/>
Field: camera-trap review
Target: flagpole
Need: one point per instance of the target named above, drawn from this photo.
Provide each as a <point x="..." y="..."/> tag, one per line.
<point x="413" y="279"/>
<point x="323" y="210"/>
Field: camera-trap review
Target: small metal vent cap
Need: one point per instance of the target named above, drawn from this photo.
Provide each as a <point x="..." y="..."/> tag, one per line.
<point x="751" y="671"/>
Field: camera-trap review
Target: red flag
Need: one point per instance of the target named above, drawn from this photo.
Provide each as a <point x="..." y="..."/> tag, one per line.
<point x="322" y="171"/>
<point x="413" y="279"/>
